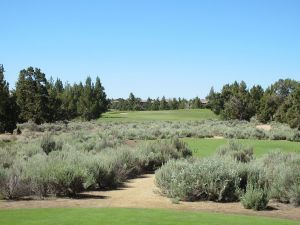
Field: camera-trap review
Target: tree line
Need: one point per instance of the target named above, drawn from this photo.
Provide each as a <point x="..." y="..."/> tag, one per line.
<point x="40" y="100"/>
<point x="133" y="103"/>
<point x="279" y="102"/>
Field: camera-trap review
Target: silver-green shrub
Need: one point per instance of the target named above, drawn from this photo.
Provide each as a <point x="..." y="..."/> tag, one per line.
<point x="255" y="198"/>
<point x="283" y="175"/>
<point x="237" y="151"/>
<point x="154" y="154"/>
<point x="214" y="178"/>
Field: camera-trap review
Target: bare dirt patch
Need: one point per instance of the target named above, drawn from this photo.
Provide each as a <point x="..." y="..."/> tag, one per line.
<point x="265" y="127"/>
<point x="218" y="137"/>
<point x="142" y="193"/>
<point x="8" y="137"/>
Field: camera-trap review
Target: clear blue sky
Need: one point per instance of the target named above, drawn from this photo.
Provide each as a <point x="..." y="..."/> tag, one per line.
<point x="153" y="47"/>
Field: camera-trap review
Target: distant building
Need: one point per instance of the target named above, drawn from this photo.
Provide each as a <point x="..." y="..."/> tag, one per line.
<point x="204" y="102"/>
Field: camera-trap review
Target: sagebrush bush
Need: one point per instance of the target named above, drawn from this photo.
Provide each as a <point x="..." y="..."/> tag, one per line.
<point x="153" y="155"/>
<point x="114" y="166"/>
<point x="151" y="130"/>
<point x="283" y="175"/>
<point x="255" y="198"/>
<point x="93" y="155"/>
<point x="38" y="175"/>
<point x="48" y="143"/>
<point x="12" y="184"/>
<point x="237" y="151"/>
<point x="69" y="174"/>
<point x="215" y="179"/>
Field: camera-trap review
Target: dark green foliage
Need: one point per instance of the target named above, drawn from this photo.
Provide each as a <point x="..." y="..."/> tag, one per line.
<point x="216" y="103"/>
<point x="42" y="101"/>
<point x="268" y="107"/>
<point x="292" y="116"/>
<point x="196" y="103"/>
<point x="32" y="95"/>
<point x="237" y="102"/>
<point x="233" y="102"/>
<point x="256" y="94"/>
<point x="281" y="103"/>
<point x="48" y="144"/>
<point x="8" y="107"/>
<point x="56" y="111"/>
<point x="92" y="101"/>
<point x="137" y="104"/>
<point x="163" y="104"/>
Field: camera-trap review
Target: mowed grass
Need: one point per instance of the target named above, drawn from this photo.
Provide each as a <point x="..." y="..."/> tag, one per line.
<point x="116" y="216"/>
<point x="206" y="147"/>
<point x="166" y="115"/>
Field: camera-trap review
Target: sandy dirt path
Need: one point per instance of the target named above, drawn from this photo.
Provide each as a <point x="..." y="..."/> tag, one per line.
<point x="142" y="193"/>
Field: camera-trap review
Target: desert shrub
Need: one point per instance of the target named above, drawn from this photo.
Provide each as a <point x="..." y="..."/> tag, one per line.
<point x="113" y="167"/>
<point x="48" y="144"/>
<point x="294" y="194"/>
<point x="154" y="154"/>
<point x="7" y="156"/>
<point x="12" y="184"/>
<point x="283" y="175"/>
<point x="31" y="126"/>
<point x="38" y="175"/>
<point x="69" y="174"/>
<point x="237" y="151"/>
<point x="255" y="198"/>
<point x="295" y="137"/>
<point x="215" y="179"/>
<point x="2" y="182"/>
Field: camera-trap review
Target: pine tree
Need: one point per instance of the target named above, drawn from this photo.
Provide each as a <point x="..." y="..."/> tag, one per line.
<point x="148" y="105"/>
<point x="92" y="100"/>
<point x="131" y="102"/>
<point x="8" y="108"/>
<point x="163" y="104"/>
<point x="174" y="104"/>
<point x="32" y="96"/>
<point x="239" y="105"/>
<point x="100" y="104"/>
<point x="196" y="103"/>
<point x="85" y="102"/>
<point x="155" y="105"/>
<point x="55" y="103"/>
<point x="256" y="94"/>
<point x="293" y="113"/>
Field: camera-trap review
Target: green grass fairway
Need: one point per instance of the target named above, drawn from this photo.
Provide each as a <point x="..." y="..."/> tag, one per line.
<point x="168" y="115"/>
<point x="113" y="216"/>
<point x="205" y="147"/>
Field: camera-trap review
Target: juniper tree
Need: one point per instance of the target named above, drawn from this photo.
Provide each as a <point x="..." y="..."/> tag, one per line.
<point x="32" y="95"/>
<point x="8" y="108"/>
